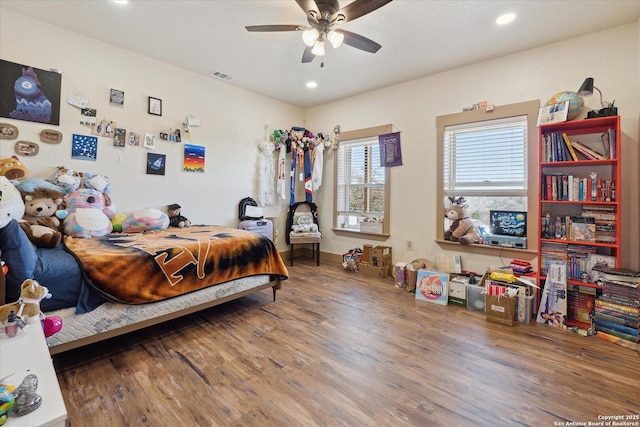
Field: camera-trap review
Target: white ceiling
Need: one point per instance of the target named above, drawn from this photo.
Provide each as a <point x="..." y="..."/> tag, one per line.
<point x="418" y="37"/>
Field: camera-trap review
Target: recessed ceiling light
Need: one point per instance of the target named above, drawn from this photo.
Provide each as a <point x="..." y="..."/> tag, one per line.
<point x="312" y="85"/>
<point x="505" y="19"/>
<point x="120" y="1"/>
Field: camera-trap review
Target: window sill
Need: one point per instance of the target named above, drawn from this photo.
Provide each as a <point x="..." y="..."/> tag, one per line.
<point x="353" y="233"/>
<point x="488" y="250"/>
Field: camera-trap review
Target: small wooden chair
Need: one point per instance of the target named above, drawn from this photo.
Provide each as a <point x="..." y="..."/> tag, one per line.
<point x="294" y="238"/>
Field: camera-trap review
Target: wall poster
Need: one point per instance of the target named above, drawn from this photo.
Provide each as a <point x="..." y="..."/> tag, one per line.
<point x="30" y="94"/>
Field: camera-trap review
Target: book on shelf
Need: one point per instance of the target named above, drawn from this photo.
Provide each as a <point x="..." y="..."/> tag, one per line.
<point x="609" y="143"/>
<point x="567" y="142"/>
<point x="621" y="274"/>
<point x="587" y="152"/>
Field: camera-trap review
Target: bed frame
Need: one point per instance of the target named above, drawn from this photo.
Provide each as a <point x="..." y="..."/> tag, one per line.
<point x="97" y="337"/>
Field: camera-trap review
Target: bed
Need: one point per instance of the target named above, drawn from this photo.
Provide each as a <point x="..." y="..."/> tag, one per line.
<point x="107" y="286"/>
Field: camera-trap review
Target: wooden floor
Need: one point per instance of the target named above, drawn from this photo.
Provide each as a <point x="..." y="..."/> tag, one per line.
<point x="337" y="349"/>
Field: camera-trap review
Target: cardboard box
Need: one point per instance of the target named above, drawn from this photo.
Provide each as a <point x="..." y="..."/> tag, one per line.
<point x="366" y="253"/>
<point x="371" y="271"/>
<point x="380" y="256"/>
<point x="475" y="297"/>
<point x="457" y="290"/>
<point x="500" y="309"/>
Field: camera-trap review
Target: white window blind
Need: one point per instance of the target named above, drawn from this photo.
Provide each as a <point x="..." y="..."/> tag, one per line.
<point x="486" y="158"/>
<point x="360" y="178"/>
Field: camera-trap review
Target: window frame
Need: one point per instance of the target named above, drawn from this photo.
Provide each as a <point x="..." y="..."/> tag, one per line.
<point x="530" y="110"/>
<point x="372" y="132"/>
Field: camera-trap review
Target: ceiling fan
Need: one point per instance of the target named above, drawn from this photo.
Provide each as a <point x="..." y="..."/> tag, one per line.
<point x="323" y="16"/>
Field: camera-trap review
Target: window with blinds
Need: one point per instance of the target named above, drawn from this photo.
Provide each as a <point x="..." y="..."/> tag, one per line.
<point x="360" y="182"/>
<point x="487" y="158"/>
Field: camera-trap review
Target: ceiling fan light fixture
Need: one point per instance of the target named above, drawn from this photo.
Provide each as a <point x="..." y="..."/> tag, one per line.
<point x="335" y="38"/>
<point x="310" y="36"/>
<point x="318" y="48"/>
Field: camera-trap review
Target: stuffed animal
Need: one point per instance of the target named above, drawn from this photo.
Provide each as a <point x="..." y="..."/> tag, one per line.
<point x="303" y="223"/>
<point x="11" y="203"/>
<point x="145" y="220"/>
<point x="462" y="229"/>
<point x="175" y="219"/>
<point x="97" y="182"/>
<point x="88" y="213"/>
<point x="67" y="179"/>
<point x="29" y="185"/>
<point x="39" y="221"/>
<point x="13" y="169"/>
<point x="28" y="306"/>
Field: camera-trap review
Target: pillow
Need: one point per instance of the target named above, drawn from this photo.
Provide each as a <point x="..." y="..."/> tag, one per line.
<point x="302" y="218"/>
<point x="20" y="256"/>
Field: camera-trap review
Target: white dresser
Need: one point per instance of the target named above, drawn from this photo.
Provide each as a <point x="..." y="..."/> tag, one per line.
<point x="27" y="353"/>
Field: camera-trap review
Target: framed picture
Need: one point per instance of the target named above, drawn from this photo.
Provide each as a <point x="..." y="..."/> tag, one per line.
<point x="155" y="106"/>
<point x="30" y="94"/>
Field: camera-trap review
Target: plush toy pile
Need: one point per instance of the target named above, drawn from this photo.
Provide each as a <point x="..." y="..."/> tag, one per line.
<point x="74" y="204"/>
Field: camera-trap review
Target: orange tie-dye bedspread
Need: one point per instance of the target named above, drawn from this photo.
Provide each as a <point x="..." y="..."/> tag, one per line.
<point x="156" y="265"/>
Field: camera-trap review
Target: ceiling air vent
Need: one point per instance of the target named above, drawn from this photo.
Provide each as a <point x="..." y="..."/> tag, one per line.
<point x="221" y="76"/>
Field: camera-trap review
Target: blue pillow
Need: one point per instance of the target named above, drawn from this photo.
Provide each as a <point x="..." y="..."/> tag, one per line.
<point x="20" y="256"/>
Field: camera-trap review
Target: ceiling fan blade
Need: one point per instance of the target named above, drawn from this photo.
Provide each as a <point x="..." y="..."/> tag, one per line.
<point x="273" y="28"/>
<point x="307" y="56"/>
<point x="360" y="8"/>
<point x="359" y="42"/>
<point x="307" y="5"/>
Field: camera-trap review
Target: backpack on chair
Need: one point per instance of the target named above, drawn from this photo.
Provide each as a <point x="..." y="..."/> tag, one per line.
<point x="242" y="209"/>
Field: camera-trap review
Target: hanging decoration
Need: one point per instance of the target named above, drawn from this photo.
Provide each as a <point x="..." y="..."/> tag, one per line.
<point x="266" y="174"/>
<point x="305" y="151"/>
<point x="390" y="153"/>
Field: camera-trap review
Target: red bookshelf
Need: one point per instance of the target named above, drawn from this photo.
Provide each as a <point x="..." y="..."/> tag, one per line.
<point x="579" y="204"/>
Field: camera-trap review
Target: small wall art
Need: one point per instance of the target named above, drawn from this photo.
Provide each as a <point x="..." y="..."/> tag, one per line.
<point x="104" y="128"/>
<point x="156" y="163"/>
<point x="8" y="131"/>
<point x="27" y="148"/>
<point x="134" y="138"/>
<point x="193" y="158"/>
<point x="116" y="97"/>
<point x="149" y="141"/>
<point x="119" y="136"/>
<point x="84" y="147"/>
<point x="50" y="136"/>
<point x="155" y="106"/>
<point x="88" y="116"/>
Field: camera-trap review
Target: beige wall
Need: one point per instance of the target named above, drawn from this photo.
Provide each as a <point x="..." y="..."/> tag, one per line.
<point x="233" y="123"/>
<point x="232" y="119"/>
<point x="611" y="57"/>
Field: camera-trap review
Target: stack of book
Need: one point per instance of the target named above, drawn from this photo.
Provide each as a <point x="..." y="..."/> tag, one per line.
<point x="605" y="222"/>
<point x="617" y="316"/>
<point x="580" y="303"/>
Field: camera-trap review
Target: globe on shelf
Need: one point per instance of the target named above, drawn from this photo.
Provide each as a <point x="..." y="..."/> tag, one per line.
<point x="576" y="103"/>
